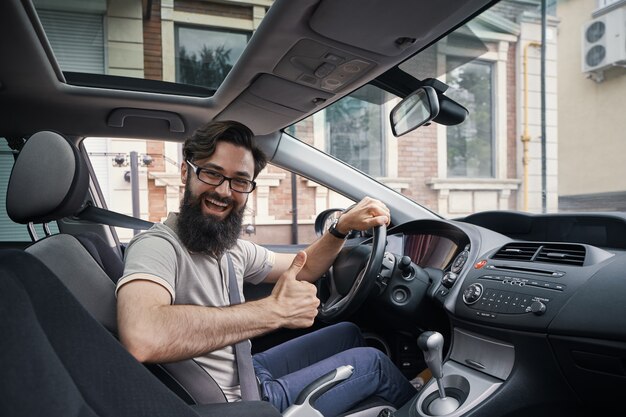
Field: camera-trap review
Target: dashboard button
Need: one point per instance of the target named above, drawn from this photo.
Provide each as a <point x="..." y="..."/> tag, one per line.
<point x="538" y="308"/>
<point x="472" y="294"/>
<point x="442" y="292"/>
<point x="400" y="295"/>
<point x="480" y="264"/>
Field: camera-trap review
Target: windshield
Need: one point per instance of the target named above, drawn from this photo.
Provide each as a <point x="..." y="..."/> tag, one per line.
<point x="545" y="125"/>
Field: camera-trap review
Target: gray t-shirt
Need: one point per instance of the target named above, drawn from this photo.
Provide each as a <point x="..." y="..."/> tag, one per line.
<point x="197" y="279"/>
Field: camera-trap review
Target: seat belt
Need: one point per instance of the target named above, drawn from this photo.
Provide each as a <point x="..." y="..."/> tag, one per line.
<point x="243" y="354"/>
<point x="110" y="218"/>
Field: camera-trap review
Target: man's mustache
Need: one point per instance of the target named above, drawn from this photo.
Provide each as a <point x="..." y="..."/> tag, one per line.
<point x="215" y="196"/>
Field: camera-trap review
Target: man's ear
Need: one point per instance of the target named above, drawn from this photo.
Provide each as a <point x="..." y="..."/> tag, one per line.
<point x="183" y="172"/>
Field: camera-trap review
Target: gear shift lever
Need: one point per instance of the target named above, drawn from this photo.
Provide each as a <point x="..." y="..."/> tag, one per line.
<point x="431" y="343"/>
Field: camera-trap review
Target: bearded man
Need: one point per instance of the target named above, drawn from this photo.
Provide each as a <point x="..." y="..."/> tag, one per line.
<point x="180" y="295"/>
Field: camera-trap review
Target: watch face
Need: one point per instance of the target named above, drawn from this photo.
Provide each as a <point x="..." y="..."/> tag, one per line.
<point x="332" y="219"/>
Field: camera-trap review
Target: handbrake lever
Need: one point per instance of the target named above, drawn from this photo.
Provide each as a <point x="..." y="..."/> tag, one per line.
<point x="303" y="407"/>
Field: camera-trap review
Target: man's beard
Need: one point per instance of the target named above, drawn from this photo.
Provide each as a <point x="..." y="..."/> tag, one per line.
<point x="206" y="233"/>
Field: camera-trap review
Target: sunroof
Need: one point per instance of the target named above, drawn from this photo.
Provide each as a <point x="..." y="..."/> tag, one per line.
<point x="190" y="42"/>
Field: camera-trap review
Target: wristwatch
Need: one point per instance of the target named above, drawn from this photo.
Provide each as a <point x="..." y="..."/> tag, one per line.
<point x="333" y="230"/>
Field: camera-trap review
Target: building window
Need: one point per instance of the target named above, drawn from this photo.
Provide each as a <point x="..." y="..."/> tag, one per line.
<point x="355" y="130"/>
<point x="606" y="3"/>
<point x="470" y="145"/>
<point x="205" y="56"/>
<point x="77" y="39"/>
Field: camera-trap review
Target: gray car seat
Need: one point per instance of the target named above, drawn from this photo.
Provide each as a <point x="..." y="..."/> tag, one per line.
<point x="85" y="263"/>
<point x="57" y="361"/>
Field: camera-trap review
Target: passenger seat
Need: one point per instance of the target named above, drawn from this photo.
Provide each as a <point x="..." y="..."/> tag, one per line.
<point x="49" y="182"/>
<point x="57" y="361"/>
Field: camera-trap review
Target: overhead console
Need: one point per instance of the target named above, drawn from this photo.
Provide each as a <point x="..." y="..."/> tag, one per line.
<point x="328" y="48"/>
<point x="320" y="66"/>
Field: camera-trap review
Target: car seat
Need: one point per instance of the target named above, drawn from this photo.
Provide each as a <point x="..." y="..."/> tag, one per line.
<point x="85" y="263"/>
<point x="57" y="361"/>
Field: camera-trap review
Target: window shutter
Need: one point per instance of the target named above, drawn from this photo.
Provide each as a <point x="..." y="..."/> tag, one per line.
<point x="77" y="39"/>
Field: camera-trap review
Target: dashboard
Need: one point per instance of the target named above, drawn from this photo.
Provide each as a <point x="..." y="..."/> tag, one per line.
<point x="550" y="287"/>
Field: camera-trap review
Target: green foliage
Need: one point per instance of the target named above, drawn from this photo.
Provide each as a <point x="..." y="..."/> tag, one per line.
<point x="208" y="69"/>
<point x="354" y="129"/>
<point x="470" y="144"/>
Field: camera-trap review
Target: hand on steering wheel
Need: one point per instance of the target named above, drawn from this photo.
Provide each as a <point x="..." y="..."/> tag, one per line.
<point x="345" y="299"/>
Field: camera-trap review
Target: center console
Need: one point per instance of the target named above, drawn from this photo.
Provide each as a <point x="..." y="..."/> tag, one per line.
<point x="475" y="369"/>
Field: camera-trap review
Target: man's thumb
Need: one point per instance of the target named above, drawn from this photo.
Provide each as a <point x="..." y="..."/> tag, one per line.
<point x="297" y="264"/>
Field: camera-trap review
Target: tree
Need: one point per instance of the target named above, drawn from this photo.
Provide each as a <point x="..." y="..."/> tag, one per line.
<point x="470" y="148"/>
<point x="208" y="69"/>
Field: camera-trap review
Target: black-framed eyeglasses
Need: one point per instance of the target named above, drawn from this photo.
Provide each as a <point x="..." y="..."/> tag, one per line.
<point x="214" y="178"/>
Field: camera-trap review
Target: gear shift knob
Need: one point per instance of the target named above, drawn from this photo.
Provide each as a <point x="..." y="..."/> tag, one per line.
<point x="431" y="343"/>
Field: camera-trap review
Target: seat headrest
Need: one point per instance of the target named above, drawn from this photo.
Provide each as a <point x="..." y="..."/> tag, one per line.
<point x="48" y="182"/>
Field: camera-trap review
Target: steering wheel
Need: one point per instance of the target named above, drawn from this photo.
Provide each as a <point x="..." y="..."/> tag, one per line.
<point x="350" y="280"/>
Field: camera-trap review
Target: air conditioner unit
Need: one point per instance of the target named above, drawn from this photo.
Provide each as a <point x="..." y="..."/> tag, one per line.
<point x="604" y="41"/>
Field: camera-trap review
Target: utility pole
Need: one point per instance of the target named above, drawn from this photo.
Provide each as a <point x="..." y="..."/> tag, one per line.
<point x="134" y="185"/>
<point x="544" y="187"/>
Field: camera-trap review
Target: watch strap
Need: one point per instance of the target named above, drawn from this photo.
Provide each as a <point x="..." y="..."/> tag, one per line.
<point x="333" y="231"/>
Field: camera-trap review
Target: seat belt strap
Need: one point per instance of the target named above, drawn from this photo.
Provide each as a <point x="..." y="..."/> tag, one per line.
<point x="247" y="378"/>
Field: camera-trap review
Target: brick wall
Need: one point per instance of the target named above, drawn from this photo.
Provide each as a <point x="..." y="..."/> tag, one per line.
<point x="417" y="160"/>
<point x="152" y="52"/>
<point x="157" y="204"/>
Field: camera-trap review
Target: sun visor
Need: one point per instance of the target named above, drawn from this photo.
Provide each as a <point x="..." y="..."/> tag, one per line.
<point x="384" y="27"/>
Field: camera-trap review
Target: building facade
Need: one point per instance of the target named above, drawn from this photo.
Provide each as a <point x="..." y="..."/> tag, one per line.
<point x="600" y="123"/>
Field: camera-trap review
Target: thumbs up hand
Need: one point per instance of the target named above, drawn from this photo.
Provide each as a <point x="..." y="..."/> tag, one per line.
<point x="296" y="301"/>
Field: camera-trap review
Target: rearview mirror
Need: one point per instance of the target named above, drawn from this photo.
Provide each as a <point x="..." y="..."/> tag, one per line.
<point x="419" y="107"/>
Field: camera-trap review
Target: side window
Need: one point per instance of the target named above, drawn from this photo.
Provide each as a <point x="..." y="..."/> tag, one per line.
<point x="110" y="159"/>
<point x="280" y="211"/>
<point x="10" y="231"/>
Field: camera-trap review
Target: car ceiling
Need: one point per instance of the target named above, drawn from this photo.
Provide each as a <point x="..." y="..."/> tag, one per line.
<point x="281" y="77"/>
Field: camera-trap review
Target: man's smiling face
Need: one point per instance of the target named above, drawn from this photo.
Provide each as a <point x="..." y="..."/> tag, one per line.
<point x="229" y="160"/>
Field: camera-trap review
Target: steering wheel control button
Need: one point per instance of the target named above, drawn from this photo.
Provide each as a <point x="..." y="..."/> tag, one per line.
<point x="472" y="294"/>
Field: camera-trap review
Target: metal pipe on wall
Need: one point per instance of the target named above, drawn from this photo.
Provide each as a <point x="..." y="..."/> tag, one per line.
<point x="525" y="135"/>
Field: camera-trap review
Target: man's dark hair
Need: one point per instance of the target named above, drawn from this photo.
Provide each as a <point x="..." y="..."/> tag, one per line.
<point x="202" y="143"/>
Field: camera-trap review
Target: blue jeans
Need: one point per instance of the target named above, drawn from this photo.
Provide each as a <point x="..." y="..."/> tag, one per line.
<point x="286" y="369"/>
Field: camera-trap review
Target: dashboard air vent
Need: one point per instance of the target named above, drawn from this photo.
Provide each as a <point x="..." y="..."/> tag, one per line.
<point x="562" y="254"/>
<point x="518" y="251"/>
